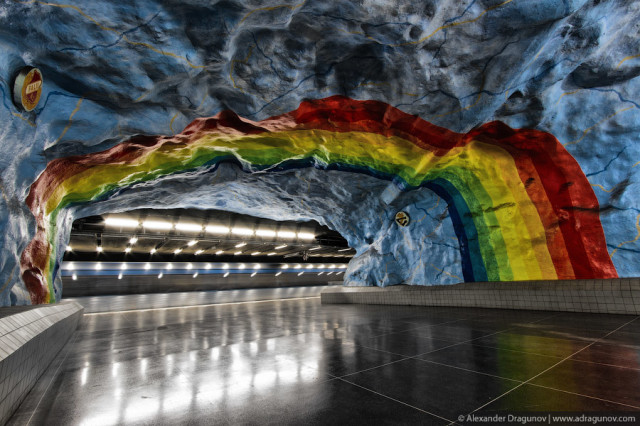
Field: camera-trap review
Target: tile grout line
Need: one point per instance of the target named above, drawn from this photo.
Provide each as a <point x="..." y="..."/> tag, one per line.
<point x="55" y="374"/>
<point x="405" y="357"/>
<point x="585" y="396"/>
<point x="393" y="399"/>
<point x="553" y="366"/>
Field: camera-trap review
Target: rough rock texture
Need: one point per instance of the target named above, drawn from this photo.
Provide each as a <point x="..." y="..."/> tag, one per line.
<point x="116" y="69"/>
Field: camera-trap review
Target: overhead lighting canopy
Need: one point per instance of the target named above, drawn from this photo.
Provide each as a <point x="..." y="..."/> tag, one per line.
<point x="265" y="233"/>
<point x="241" y="245"/>
<point x="306" y="236"/>
<point x="280" y="247"/>
<point x="192" y="243"/>
<point x="199" y="252"/>
<point x="122" y="222"/>
<point x="133" y="240"/>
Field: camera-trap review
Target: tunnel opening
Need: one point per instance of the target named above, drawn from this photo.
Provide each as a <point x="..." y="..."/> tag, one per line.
<point x="197" y="250"/>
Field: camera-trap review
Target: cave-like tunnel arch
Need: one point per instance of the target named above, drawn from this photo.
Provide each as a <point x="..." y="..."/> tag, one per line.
<point x="520" y="206"/>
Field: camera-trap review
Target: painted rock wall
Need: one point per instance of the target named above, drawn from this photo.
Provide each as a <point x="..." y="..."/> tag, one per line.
<point x="488" y="202"/>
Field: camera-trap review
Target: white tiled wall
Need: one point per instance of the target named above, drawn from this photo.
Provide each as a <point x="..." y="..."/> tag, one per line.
<point x="30" y="337"/>
<point x="613" y="296"/>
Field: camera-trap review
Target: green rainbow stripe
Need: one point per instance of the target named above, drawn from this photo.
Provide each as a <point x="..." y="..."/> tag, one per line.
<point x="520" y="204"/>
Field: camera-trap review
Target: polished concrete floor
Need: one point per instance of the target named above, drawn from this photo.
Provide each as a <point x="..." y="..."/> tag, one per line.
<point x="297" y="361"/>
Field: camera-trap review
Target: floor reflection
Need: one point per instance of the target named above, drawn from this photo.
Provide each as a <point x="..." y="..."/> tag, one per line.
<point x="295" y="361"/>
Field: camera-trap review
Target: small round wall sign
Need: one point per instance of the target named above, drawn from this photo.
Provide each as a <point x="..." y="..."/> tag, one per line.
<point x="27" y="88"/>
<point x="403" y="219"/>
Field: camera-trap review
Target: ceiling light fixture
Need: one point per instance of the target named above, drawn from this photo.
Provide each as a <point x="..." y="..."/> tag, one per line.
<point x="120" y="276"/>
<point x="207" y="266"/>
<point x="257" y="266"/>
<point x="192" y="243"/>
<point x="306" y="235"/>
<point x="255" y="253"/>
<point x="240" y="245"/>
<point x="285" y="266"/>
<point x="301" y="273"/>
<point x="74" y="277"/>
<point x="153" y="251"/>
<point x="69" y="248"/>
<point x="217" y="229"/>
<point x="127" y="250"/>
<point x="347" y="249"/>
<point x="147" y="266"/>
<point x="220" y="252"/>
<point x="237" y="253"/>
<point x="99" y="249"/>
<point x="286" y="234"/>
<point x="188" y="227"/>
<point x="265" y="233"/>
<point x="177" y="251"/>
<point x="280" y="247"/>
<point x="315" y="248"/>
<point x="242" y="231"/>
<point x="195" y="275"/>
<point x="199" y="252"/>
<point x="133" y="240"/>
<point x="278" y="274"/>
<point x="298" y="266"/>
<point x="242" y="266"/>
<point x="160" y="275"/>
<point x="189" y="266"/>
<point x="253" y="275"/>
<point x="122" y="222"/>
<point x="157" y="225"/>
<point x="226" y="274"/>
<point x="273" y="253"/>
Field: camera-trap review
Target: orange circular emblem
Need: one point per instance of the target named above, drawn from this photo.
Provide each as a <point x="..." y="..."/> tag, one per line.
<point x="28" y="88"/>
<point x="403" y="219"/>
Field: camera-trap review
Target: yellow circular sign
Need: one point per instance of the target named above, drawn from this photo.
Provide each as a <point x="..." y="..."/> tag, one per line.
<point x="403" y="219"/>
<point x="27" y="88"/>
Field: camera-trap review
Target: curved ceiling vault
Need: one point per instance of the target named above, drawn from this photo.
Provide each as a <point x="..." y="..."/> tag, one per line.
<point x="520" y="205"/>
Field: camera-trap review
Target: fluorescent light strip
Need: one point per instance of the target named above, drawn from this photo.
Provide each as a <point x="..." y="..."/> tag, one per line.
<point x="265" y="233"/>
<point x="157" y="224"/>
<point x="217" y="229"/>
<point x="286" y="234"/>
<point x="242" y="231"/>
<point x="306" y="235"/>
<point x="122" y="222"/>
<point x="188" y="227"/>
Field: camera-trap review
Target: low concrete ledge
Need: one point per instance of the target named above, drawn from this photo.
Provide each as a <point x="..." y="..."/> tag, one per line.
<point x="613" y="296"/>
<point x="30" y="338"/>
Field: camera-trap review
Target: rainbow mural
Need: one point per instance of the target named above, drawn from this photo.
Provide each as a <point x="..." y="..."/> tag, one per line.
<point x="521" y="206"/>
